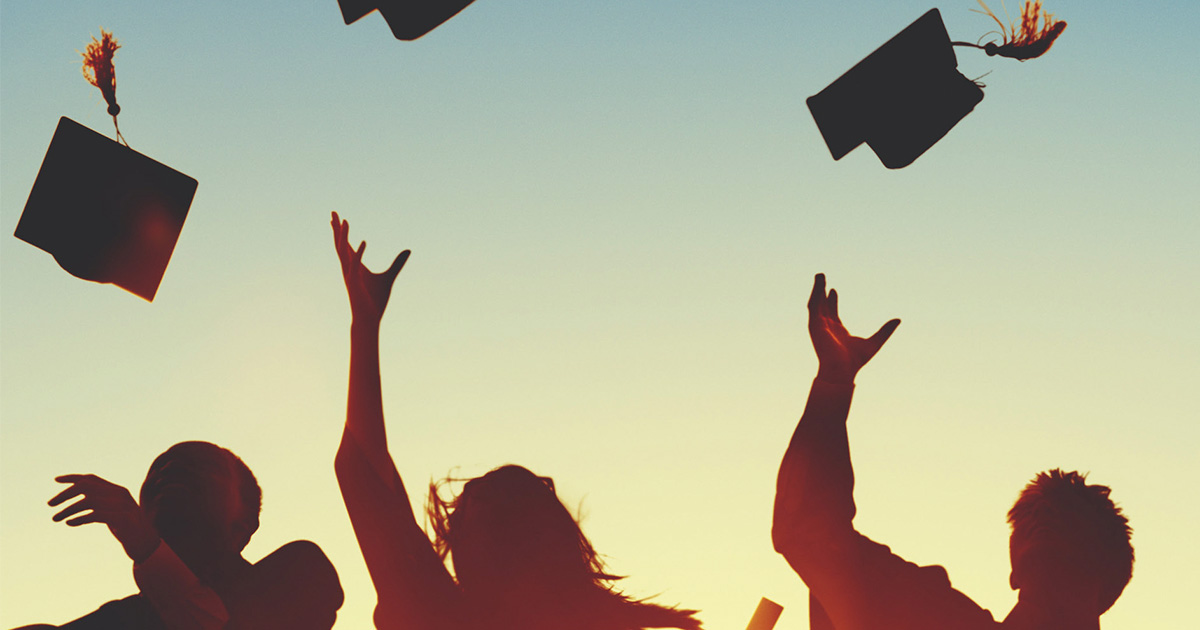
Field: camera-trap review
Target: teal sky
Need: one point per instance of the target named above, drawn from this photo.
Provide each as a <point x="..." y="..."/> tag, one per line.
<point x="615" y="210"/>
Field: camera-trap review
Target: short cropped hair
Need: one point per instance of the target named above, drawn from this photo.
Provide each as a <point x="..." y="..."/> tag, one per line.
<point x="249" y="491"/>
<point x="1098" y="521"/>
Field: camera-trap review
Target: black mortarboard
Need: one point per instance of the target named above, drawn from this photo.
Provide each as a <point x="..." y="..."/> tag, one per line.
<point x="901" y="99"/>
<point x="408" y="19"/>
<point x="104" y="211"/>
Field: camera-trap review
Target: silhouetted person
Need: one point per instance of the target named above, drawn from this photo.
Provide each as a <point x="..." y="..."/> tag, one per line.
<point x="1070" y="550"/>
<point x="197" y="510"/>
<point x="520" y="560"/>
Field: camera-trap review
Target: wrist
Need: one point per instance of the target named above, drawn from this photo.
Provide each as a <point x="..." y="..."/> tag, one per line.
<point x="360" y="326"/>
<point x="141" y="548"/>
<point x="835" y="376"/>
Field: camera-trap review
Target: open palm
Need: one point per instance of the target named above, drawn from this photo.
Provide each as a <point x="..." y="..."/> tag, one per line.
<point x="369" y="291"/>
<point x="841" y="355"/>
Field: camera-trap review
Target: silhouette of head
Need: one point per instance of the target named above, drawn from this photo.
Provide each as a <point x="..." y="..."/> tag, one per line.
<point x="201" y="496"/>
<point x="1067" y="534"/>
<point x="507" y="530"/>
<point x="519" y="555"/>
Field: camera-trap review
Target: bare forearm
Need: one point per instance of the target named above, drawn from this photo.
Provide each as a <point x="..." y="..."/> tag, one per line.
<point x="815" y="487"/>
<point x="364" y="402"/>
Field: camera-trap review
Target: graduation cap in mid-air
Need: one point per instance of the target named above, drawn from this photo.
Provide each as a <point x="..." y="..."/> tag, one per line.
<point x="104" y="211"/>
<point x="408" y="19"/>
<point x="901" y="99"/>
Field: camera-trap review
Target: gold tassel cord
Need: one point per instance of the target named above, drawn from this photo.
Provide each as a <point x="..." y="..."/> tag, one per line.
<point x="1031" y="40"/>
<point x="98" y="70"/>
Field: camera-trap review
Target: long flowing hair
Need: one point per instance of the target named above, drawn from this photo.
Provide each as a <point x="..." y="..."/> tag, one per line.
<point x="532" y="525"/>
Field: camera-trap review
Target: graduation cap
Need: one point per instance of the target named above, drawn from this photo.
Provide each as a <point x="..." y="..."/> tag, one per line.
<point x="900" y="100"/>
<point x="104" y="211"/>
<point x="408" y="19"/>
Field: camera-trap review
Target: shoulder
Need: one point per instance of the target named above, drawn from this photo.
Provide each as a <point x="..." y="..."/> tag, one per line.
<point x="925" y="594"/>
<point x="304" y="567"/>
<point x="293" y="588"/>
<point x="858" y="579"/>
<point x="296" y="554"/>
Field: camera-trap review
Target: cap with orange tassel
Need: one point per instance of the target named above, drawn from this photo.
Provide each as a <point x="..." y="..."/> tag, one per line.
<point x="1029" y="41"/>
<point x="104" y="211"/>
<point x="907" y="95"/>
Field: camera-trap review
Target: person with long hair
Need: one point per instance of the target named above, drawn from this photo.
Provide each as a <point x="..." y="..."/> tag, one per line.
<point x="520" y="560"/>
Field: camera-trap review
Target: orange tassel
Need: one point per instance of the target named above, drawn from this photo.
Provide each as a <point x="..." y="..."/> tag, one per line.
<point x="98" y="70"/>
<point x="1031" y="40"/>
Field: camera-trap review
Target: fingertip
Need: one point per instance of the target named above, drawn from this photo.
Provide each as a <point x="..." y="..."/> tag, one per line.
<point x="818" y="291"/>
<point x="885" y="332"/>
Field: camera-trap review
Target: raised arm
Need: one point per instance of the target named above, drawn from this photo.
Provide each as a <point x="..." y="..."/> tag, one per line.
<point x="853" y="581"/>
<point x="173" y="590"/>
<point x="369" y="294"/>
<point x="814" y="494"/>
<point x="415" y="591"/>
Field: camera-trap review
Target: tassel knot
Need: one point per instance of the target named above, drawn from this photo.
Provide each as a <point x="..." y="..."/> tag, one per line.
<point x="98" y="70"/>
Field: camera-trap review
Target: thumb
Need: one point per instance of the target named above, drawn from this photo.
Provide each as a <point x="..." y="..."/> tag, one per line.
<point x="398" y="264"/>
<point x="879" y="338"/>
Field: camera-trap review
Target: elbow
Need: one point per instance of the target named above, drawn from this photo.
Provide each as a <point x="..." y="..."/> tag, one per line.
<point x="800" y="533"/>
<point x="787" y="532"/>
<point x="788" y="538"/>
<point x="802" y="547"/>
<point x="347" y="454"/>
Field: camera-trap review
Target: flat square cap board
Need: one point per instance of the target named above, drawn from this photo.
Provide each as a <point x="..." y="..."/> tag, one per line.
<point x="900" y="100"/>
<point x="104" y="211"/>
<point x="408" y="19"/>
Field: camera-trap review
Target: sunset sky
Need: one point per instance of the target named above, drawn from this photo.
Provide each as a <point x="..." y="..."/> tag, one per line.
<point x="615" y="210"/>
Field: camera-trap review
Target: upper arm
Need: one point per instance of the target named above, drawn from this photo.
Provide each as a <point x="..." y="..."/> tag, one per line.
<point x="414" y="589"/>
<point x="862" y="584"/>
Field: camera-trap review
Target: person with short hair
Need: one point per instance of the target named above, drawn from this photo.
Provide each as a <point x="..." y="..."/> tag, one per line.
<point x="195" y="513"/>
<point x="1070" y="546"/>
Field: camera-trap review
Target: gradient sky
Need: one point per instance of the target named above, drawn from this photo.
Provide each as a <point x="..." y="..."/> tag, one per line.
<point x="615" y="210"/>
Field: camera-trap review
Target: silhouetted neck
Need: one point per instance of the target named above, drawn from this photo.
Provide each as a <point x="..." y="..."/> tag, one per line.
<point x="214" y="569"/>
<point x="1055" y="614"/>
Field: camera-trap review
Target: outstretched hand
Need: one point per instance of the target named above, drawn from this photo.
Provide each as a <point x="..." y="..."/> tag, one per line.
<point x="112" y="505"/>
<point x="369" y="291"/>
<point x="841" y="355"/>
